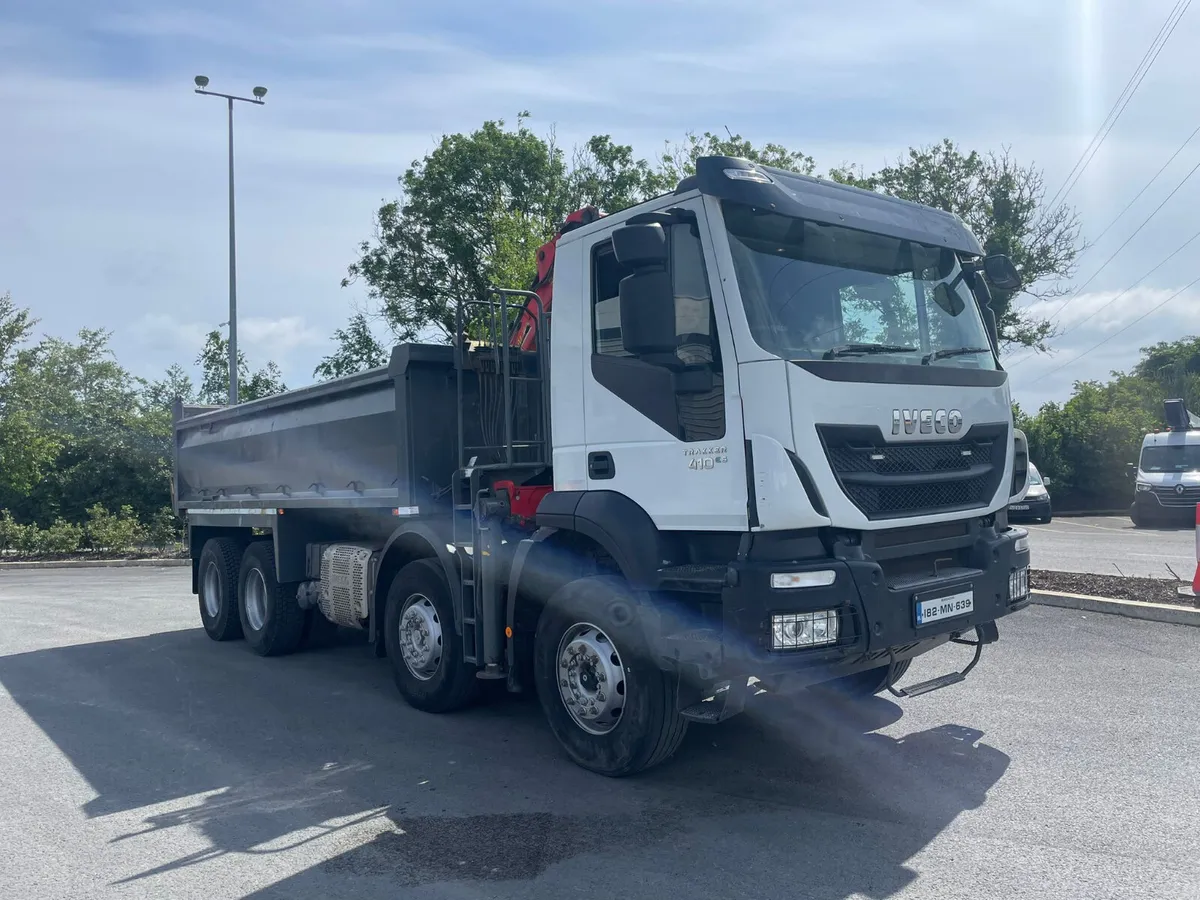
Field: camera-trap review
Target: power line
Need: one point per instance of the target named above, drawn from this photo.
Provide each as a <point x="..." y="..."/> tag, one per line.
<point x="1122" y="101"/>
<point x="1105" y="306"/>
<point x="1147" y="185"/>
<point x="1113" y="255"/>
<point x="1121" y="331"/>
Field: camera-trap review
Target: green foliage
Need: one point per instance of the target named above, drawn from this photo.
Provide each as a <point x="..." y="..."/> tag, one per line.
<point x="214" y="366"/>
<point x="357" y="349"/>
<point x="113" y="532"/>
<point x="60" y="537"/>
<point x="164" y="529"/>
<point x="1085" y="443"/>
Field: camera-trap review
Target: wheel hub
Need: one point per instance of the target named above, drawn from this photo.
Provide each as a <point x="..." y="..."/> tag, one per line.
<point x="591" y="678"/>
<point x="210" y="590"/>
<point x="421" y="637"/>
<point x="256" y="600"/>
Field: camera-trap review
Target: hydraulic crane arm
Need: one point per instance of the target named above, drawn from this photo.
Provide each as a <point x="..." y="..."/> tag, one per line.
<point x="524" y="331"/>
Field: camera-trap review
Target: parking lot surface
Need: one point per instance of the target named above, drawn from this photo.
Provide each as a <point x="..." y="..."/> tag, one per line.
<point x="140" y="759"/>
<point x="1110" y="545"/>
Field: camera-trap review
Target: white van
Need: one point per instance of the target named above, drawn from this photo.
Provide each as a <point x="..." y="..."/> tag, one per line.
<point x="1167" y="479"/>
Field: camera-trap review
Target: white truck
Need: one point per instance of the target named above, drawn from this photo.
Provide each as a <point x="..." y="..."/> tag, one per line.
<point x="763" y="433"/>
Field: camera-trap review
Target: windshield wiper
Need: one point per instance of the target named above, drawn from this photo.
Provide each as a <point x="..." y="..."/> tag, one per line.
<point x="952" y="351"/>
<point x="852" y="349"/>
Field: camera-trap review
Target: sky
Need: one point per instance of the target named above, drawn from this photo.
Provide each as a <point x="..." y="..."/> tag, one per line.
<point x="113" y="185"/>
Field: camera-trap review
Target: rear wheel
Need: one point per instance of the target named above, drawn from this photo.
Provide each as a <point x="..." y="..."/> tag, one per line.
<point x="610" y="706"/>
<point x="870" y="682"/>
<point x="425" y="652"/>
<point x="218" y="580"/>
<point x="272" y="619"/>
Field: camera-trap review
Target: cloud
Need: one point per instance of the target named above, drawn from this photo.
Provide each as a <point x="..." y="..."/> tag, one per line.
<point x="115" y="213"/>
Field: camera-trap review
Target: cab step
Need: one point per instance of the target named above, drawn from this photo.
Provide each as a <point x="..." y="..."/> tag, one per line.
<point x="924" y="687"/>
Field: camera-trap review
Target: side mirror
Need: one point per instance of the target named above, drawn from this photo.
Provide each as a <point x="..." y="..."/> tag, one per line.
<point x="648" y="312"/>
<point x="1130" y="470"/>
<point x="1047" y="481"/>
<point x="640" y="246"/>
<point x="1001" y="273"/>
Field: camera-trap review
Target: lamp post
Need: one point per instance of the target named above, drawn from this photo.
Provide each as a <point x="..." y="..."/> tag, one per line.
<point x="259" y="93"/>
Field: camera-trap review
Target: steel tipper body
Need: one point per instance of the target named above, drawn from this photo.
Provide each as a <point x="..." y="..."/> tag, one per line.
<point x="764" y="435"/>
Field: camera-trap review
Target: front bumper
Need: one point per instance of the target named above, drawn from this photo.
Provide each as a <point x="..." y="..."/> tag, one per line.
<point x="876" y="612"/>
<point x="1167" y="508"/>
<point x="1034" y="508"/>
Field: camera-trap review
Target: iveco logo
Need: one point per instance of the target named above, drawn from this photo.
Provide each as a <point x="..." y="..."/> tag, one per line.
<point x="927" y="421"/>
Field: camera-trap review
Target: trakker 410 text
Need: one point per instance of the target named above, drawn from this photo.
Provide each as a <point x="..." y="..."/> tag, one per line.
<point x="753" y="429"/>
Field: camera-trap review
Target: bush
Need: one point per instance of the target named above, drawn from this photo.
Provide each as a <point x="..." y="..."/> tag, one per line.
<point x="12" y="532"/>
<point x="163" y="529"/>
<point x="113" y="532"/>
<point x="61" y="537"/>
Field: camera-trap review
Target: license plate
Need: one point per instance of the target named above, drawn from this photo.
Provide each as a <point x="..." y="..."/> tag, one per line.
<point x="945" y="607"/>
<point x="1019" y="506"/>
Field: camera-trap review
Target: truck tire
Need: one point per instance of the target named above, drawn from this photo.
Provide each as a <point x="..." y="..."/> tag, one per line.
<point x="272" y="620"/>
<point x="425" y="652"/>
<point x="868" y="683"/>
<point x="588" y="637"/>
<point x="218" y="581"/>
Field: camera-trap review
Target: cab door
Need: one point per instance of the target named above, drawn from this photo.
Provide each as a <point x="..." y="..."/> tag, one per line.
<point x="665" y="429"/>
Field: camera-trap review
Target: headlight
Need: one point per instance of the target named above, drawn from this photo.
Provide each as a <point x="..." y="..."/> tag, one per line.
<point x="1142" y="486"/>
<point x="793" y="631"/>
<point x="819" y="578"/>
<point x="1018" y="585"/>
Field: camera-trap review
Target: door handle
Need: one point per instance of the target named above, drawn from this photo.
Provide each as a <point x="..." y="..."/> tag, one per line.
<point x="601" y="465"/>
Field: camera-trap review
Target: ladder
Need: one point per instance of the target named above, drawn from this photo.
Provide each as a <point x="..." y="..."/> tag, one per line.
<point x="522" y="448"/>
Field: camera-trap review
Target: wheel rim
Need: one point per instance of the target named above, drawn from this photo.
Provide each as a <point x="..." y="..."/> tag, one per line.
<point x="210" y="590"/>
<point x="591" y="678"/>
<point x="421" y="637"/>
<point x="256" y="600"/>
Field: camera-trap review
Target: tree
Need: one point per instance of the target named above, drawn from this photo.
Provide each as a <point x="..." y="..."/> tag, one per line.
<point x="357" y="349"/>
<point x="90" y="418"/>
<point x="1003" y="203"/>
<point x="26" y="450"/>
<point x="214" y="367"/>
<point x="475" y="209"/>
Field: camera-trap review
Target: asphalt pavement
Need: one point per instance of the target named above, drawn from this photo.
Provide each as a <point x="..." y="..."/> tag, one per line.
<point x="140" y="759"/>
<point x="1110" y="545"/>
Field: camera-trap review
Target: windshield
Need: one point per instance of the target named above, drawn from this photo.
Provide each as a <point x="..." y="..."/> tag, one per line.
<point x="1035" y="477"/>
<point x="1178" y="458"/>
<point x="815" y="291"/>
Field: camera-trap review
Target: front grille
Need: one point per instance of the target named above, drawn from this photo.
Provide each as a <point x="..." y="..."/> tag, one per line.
<point x="909" y="478"/>
<point x="1168" y="496"/>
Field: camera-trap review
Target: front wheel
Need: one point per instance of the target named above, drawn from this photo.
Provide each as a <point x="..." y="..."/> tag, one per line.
<point x="612" y="709"/>
<point x="425" y="652"/>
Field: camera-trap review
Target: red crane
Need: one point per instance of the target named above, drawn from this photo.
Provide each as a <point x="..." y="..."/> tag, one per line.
<point x="524" y="332"/>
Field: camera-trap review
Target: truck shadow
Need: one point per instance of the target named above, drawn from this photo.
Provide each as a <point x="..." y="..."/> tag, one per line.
<point x="314" y="759"/>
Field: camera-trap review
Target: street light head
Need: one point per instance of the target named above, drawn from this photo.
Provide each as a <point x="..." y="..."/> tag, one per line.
<point x="260" y="92"/>
<point x="201" y="81"/>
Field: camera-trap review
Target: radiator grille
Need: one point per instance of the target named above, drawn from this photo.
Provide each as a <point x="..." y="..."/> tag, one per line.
<point x="908" y="478"/>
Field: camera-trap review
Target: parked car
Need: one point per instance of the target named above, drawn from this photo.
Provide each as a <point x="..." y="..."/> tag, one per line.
<point x="1035" y="506"/>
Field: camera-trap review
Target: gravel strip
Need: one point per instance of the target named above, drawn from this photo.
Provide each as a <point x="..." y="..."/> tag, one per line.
<point x="1147" y="590"/>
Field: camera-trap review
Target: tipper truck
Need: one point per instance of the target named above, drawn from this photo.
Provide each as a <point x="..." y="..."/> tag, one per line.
<point x="749" y="436"/>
